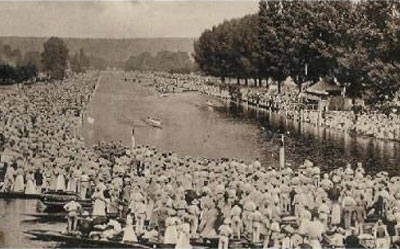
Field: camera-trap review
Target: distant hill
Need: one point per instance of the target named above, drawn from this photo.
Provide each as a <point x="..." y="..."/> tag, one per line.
<point x="113" y="51"/>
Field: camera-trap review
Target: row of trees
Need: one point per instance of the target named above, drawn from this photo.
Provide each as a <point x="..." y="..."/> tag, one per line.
<point x="16" y="67"/>
<point x="355" y="44"/>
<point x="54" y="60"/>
<point x="10" y="74"/>
<point x="179" y="62"/>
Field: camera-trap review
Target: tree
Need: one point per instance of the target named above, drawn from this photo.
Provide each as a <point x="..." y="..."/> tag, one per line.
<point x="54" y="57"/>
<point x="25" y="72"/>
<point x="164" y="61"/>
<point x="271" y="35"/>
<point x="32" y="58"/>
<point x="355" y="44"/>
<point x="7" y="74"/>
<point x="246" y="46"/>
<point x="80" y="62"/>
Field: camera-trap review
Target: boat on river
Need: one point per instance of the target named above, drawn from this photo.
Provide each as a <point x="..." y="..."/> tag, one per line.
<point x="153" y="122"/>
<point x="61" y="216"/>
<point x="210" y="103"/>
<point x="18" y="195"/>
<point x="57" y="236"/>
<point x="57" y="200"/>
<point x="213" y="103"/>
<point x="163" y="95"/>
<point x="48" y="235"/>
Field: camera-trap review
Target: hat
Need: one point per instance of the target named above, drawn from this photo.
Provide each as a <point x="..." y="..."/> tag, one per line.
<point x="227" y="221"/>
<point x="171" y="212"/>
<point x="85" y="213"/>
<point x="289" y="229"/>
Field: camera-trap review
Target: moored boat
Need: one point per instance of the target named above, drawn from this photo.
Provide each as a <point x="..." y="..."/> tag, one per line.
<point x="60" y="217"/>
<point x="47" y="235"/>
<point x="57" y="200"/>
<point x="18" y="195"/>
<point x="57" y="236"/>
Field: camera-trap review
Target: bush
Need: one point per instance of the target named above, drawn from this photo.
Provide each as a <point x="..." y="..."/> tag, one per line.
<point x="10" y="74"/>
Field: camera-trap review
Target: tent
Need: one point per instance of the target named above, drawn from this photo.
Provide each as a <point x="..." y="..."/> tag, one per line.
<point x="325" y="88"/>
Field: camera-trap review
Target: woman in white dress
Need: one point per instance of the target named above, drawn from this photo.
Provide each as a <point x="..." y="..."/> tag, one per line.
<point x="30" y="185"/>
<point x="19" y="185"/>
<point x="129" y="233"/>
<point x="99" y="207"/>
<point x="171" y="234"/>
<point x="184" y="236"/>
<point x="61" y="186"/>
<point x="53" y="179"/>
<point x="336" y="214"/>
<point x="9" y="179"/>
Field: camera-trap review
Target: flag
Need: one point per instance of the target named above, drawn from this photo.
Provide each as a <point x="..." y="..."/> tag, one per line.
<point x="90" y="120"/>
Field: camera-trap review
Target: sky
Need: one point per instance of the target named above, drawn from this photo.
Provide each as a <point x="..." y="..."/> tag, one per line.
<point x="118" y="19"/>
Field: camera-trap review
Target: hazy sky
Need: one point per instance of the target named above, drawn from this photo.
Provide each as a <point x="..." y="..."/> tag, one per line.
<point x="116" y="19"/>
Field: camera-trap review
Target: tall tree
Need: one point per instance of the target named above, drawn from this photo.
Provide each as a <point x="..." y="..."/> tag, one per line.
<point x="246" y="46"/>
<point x="272" y="45"/>
<point x="80" y="62"/>
<point x="54" y="57"/>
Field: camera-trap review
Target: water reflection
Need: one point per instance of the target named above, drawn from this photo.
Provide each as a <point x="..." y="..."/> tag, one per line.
<point x="13" y="222"/>
<point x="327" y="147"/>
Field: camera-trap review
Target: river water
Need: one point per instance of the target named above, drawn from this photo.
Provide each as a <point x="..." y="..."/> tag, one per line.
<point x="190" y="127"/>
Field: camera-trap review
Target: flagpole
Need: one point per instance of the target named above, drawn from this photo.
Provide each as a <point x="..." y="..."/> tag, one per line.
<point x="282" y="153"/>
<point x="133" y="140"/>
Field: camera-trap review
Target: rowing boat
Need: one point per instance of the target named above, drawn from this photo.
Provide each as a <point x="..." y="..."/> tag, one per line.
<point x="210" y="103"/>
<point x="47" y="235"/>
<point x="153" y="122"/>
<point x="61" y="217"/>
<point x="57" y="200"/>
<point x="18" y="195"/>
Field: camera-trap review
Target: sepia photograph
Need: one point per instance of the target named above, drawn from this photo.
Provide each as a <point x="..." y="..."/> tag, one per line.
<point x="200" y="124"/>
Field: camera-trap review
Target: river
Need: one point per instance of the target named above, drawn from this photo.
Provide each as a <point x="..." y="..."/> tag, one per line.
<point x="190" y="127"/>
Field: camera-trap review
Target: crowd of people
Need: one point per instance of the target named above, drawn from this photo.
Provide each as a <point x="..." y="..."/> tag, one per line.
<point x="40" y="133"/>
<point x="140" y="192"/>
<point x="163" y="197"/>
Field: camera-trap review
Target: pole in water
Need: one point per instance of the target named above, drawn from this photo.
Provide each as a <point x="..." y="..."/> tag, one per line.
<point x="82" y="122"/>
<point x="282" y="153"/>
<point x="133" y="144"/>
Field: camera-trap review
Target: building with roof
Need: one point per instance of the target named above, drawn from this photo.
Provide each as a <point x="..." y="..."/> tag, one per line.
<point x="323" y="94"/>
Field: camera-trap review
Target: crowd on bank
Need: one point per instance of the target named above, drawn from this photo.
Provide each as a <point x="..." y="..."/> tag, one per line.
<point x="39" y="131"/>
<point x="141" y="192"/>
